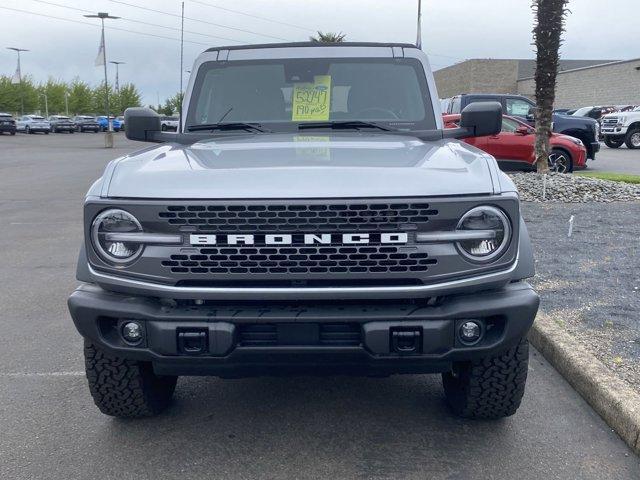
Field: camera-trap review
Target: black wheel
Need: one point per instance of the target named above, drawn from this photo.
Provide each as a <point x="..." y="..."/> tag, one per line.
<point x="71" y="131"/>
<point x="489" y="388"/>
<point x="27" y="129"/>
<point x="164" y="128"/>
<point x="611" y="143"/>
<point x="13" y="133"/>
<point x="125" y="388"/>
<point x="633" y="138"/>
<point x="560" y="161"/>
<point x="46" y="132"/>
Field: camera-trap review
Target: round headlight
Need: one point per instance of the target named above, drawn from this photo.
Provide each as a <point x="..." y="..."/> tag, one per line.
<point x="487" y="219"/>
<point x="110" y="250"/>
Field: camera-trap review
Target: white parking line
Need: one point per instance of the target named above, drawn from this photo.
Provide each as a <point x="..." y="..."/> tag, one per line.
<point x="41" y="374"/>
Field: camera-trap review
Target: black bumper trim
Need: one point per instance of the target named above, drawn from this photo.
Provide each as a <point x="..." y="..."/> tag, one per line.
<point x="511" y="310"/>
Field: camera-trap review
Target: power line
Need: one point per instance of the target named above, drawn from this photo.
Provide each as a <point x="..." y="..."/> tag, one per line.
<point x="198" y="20"/>
<point x="96" y="25"/>
<point x="141" y="22"/>
<point x="253" y="16"/>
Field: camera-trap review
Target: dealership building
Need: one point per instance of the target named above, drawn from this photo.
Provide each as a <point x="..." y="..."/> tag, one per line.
<point x="580" y="82"/>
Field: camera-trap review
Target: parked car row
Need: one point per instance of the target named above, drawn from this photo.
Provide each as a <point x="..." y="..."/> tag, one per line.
<point x="7" y="124"/>
<point x="622" y="127"/>
<point x="619" y="124"/>
<point x="58" y="124"/>
<point x="587" y="130"/>
<point x="513" y="147"/>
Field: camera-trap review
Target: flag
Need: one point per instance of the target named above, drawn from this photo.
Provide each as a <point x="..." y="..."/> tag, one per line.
<point x="16" y="77"/>
<point x="100" y="58"/>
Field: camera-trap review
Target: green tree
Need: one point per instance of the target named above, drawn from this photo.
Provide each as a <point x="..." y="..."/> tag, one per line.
<point x="328" y="37"/>
<point x="55" y="91"/>
<point x="98" y="99"/>
<point x="80" y="98"/>
<point x="547" y="35"/>
<point x="126" y="98"/>
<point x="9" y="95"/>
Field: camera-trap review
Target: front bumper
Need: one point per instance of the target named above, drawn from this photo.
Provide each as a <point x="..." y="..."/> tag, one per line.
<point x="505" y="315"/>
<point x="614" y="131"/>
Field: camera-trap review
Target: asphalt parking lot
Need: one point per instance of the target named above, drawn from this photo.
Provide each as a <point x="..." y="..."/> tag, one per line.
<point x="323" y="428"/>
<point x="617" y="160"/>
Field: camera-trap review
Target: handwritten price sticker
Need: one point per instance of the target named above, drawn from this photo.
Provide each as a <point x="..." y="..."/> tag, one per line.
<point x="312" y="101"/>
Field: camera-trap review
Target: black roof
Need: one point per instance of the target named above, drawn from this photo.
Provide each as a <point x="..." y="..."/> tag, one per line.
<point x="311" y="44"/>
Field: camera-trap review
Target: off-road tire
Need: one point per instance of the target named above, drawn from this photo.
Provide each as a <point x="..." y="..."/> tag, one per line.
<point x="491" y="387"/>
<point x="629" y="140"/>
<point x="613" y="143"/>
<point x="125" y="388"/>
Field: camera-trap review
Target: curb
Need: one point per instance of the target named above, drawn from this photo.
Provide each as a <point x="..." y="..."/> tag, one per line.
<point x="611" y="397"/>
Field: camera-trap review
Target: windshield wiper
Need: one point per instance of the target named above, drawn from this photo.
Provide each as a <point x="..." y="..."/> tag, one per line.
<point x="250" y="127"/>
<point x="345" y="124"/>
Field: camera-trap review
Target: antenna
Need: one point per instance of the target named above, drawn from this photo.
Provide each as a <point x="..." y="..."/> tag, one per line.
<point x="181" y="96"/>
<point x="419" y="37"/>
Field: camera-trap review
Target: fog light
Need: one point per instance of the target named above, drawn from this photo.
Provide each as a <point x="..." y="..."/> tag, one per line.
<point x="470" y="332"/>
<point x="132" y="332"/>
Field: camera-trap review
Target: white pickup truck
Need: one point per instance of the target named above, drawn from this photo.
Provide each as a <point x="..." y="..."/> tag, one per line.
<point x="619" y="128"/>
<point x="169" y="124"/>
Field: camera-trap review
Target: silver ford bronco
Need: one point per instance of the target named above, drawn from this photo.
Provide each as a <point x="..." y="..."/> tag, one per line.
<point x="311" y="215"/>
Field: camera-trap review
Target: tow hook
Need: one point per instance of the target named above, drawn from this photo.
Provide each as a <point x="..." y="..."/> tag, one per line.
<point x="192" y="342"/>
<point x="406" y="342"/>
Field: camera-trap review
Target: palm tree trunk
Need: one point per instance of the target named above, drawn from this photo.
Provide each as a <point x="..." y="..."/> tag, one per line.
<point x="547" y="34"/>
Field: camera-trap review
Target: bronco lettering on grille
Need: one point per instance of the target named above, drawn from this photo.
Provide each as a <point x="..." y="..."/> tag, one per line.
<point x="301" y="239"/>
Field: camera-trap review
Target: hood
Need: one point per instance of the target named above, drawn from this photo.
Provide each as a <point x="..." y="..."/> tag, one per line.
<point x="269" y="166"/>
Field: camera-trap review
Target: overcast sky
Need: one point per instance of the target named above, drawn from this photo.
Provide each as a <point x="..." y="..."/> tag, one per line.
<point x="453" y="30"/>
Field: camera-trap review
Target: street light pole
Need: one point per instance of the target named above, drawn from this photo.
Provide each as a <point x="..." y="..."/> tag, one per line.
<point x="46" y="105"/>
<point x="181" y="96"/>
<point x="18" y="50"/>
<point x="66" y="102"/>
<point x="108" y="142"/>
<point x="117" y="74"/>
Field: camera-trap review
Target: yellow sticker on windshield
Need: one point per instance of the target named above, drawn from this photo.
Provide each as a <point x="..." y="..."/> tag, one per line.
<point x="312" y="101"/>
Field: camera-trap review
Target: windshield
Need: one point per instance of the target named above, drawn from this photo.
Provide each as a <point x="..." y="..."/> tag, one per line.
<point x="581" y="112"/>
<point x="285" y="93"/>
<point x="34" y="117"/>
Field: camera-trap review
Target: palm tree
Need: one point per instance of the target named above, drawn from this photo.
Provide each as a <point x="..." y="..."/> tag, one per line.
<point x="328" y="37"/>
<point x="547" y="35"/>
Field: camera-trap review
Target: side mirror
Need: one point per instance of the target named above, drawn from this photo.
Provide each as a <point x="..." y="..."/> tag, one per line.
<point x="522" y="130"/>
<point x="482" y="119"/>
<point x="141" y="124"/>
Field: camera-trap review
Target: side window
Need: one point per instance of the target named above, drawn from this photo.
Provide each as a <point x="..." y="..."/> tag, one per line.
<point x="455" y="105"/>
<point x="516" y="106"/>
<point x="509" y="126"/>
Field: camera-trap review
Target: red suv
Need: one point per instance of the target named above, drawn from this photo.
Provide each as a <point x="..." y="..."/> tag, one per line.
<point x="513" y="147"/>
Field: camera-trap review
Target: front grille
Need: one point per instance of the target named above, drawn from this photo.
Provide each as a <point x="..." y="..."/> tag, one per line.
<point x="610" y="121"/>
<point x="335" y="217"/>
<point x="320" y="334"/>
<point x="319" y="248"/>
<point x="300" y="260"/>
